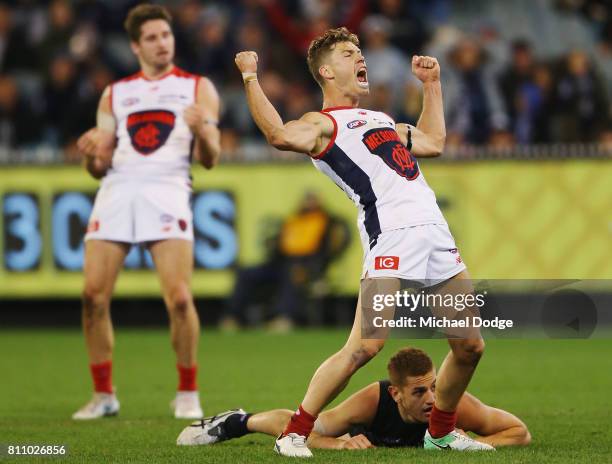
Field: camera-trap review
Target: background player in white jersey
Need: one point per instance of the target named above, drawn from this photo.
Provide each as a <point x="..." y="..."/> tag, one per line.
<point x="149" y="126"/>
<point x="403" y="232"/>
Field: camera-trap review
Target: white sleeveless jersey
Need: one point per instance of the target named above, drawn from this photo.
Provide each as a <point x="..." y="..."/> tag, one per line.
<point x="153" y="140"/>
<point x="367" y="160"/>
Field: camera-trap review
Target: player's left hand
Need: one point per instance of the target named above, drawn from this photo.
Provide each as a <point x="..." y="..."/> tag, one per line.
<point x="194" y="117"/>
<point x="426" y="68"/>
<point x="357" y="442"/>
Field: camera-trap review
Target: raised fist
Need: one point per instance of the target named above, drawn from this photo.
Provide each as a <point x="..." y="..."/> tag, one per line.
<point x="426" y="68"/>
<point x="246" y="61"/>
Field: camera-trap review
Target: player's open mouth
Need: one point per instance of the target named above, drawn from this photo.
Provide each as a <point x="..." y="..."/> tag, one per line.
<point x="362" y="77"/>
<point x="427" y="410"/>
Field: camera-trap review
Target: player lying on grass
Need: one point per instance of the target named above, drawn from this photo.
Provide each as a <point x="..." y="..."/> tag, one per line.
<point x="390" y="413"/>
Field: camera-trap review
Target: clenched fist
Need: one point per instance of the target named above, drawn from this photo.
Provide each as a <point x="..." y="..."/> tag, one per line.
<point x="246" y="62"/>
<point x="96" y="146"/>
<point x="194" y="117"/>
<point x="426" y="68"/>
<point x="88" y="144"/>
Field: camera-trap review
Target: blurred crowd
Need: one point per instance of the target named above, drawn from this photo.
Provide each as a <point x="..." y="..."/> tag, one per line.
<point x="520" y="72"/>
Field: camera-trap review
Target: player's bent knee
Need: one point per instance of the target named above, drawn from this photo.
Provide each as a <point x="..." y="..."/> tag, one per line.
<point x="469" y="351"/>
<point x="365" y="352"/>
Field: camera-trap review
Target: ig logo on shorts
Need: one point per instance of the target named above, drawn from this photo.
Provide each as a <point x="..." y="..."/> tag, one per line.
<point x="386" y="262"/>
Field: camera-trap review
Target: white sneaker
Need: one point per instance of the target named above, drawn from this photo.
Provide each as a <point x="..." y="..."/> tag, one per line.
<point x="207" y="431"/>
<point x="292" y="445"/>
<point x="101" y="405"/>
<point x="186" y="405"/>
<point x="454" y="441"/>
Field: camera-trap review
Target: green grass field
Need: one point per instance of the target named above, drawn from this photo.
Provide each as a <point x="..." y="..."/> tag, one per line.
<point x="560" y="388"/>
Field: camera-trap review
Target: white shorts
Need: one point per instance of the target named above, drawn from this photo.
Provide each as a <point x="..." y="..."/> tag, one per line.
<point x="137" y="212"/>
<point x="426" y="254"/>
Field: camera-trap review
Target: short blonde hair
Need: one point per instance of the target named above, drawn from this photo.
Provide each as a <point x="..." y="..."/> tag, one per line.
<point x="323" y="44"/>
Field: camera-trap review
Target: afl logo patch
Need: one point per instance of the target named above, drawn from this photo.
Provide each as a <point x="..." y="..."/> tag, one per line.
<point x="356" y="123"/>
<point x="130" y="101"/>
<point x="149" y="130"/>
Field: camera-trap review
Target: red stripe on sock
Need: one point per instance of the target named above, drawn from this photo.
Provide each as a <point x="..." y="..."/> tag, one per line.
<point x="187" y="378"/>
<point x="301" y="423"/>
<point x="441" y="422"/>
<point x="102" y="375"/>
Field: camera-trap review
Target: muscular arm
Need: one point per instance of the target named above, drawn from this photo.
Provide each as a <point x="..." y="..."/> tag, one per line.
<point x="429" y="135"/>
<point x="359" y="408"/>
<point x="494" y="426"/>
<point x="307" y="135"/>
<point x="207" y="146"/>
<point x="302" y="136"/>
<point x="98" y="143"/>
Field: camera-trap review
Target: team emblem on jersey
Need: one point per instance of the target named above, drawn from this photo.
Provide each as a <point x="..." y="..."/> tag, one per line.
<point x="387" y="144"/>
<point x="150" y="129"/>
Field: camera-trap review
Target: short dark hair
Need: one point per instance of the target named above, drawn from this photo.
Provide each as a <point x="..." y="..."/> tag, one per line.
<point x="323" y="44"/>
<point x="408" y="362"/>
<point x="140" y="14"/>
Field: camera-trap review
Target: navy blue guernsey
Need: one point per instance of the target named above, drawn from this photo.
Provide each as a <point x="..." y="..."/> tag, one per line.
<point x="388" y="429"/>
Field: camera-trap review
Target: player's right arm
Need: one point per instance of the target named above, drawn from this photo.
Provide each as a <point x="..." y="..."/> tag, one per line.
<point x="331" y="425"/>
<point x="308" y="135"/>
<point x="494" y="426"/>
<point x="98" y="143"/>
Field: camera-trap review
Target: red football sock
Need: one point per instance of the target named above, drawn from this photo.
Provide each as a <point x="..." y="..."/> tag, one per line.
<point x="301" y="423"/>
<point x="187" y="378"/>
<point x="102" y="375"/>
<point x="441" y="422"/>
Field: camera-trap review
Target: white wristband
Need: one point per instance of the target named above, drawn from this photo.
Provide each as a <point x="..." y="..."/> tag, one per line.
<point x="106" y="121"/>
<point x="249" y="76"/>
